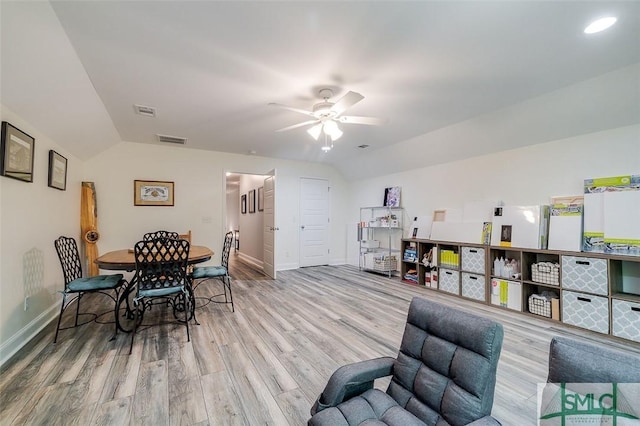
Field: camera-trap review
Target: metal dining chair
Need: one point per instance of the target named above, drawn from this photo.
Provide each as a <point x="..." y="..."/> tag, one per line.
<point x="76" y="286"/>
<point x="202" y="274"/>
<point x="161" y="279"/>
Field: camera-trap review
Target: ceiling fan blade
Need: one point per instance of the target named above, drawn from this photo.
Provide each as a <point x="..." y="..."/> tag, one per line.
<point x="372" y="121"/>
<point x="295" y="126"/>
<point x="347" y="101"/>
<point x="301" y="111"/>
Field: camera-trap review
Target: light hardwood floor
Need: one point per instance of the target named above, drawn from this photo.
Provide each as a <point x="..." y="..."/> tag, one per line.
<point x="264" y="364"/>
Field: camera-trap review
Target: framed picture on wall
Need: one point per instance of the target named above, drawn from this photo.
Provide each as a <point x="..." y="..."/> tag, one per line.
<point x="392" y="196"/>
<point x="152" y="193"/>
<point x="261" y="198"/>
<point x="16" y="153"/>
<point x="57" y="171"/>
<point x="243" y="204"/>
<point x="252" y="201"/>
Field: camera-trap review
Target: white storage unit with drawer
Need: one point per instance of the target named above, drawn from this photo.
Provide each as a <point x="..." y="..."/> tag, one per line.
<point x="474" y="286"/>
<point x="473" y="259"/>
<point x="586" y="311"/>
<point x="626" y="319"/>
<point x="585" y="274"/>
<point x="449" y="281"/>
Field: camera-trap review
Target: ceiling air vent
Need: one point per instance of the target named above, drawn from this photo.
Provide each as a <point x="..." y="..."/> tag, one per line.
<point x="171" y="139"/>
<point x="147" y="111"/>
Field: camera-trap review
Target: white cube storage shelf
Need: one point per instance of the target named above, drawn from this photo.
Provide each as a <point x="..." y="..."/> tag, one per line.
<point x="597" y="291"/>
<point x="626" y="319"/>
<point x="586" y="311"/>
<point x="474" y="286"/>
<point x="473" y="259"/>
<point x="449" y="281"/>
<point x="585" y="274"/>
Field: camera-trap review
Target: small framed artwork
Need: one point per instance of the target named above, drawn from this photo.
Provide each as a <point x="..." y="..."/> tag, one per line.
<point x="152" y="193"/>
<point x="57" y="171"/>
<point x="16" y="153"/>
<point x="252" y="201"/>
<point x="261" y="198"/>
<point x="392" y="196"/>
<point x="243" y="204"/>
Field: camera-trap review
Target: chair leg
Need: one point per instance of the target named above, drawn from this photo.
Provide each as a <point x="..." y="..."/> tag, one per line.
<point x="135" y="323"/>
<point x="78" y="307"/>
<point x="230" y="293"/>
<point x="187" y="308"/>
<point x="115" y="314"/>
<point x="64" y="299"/>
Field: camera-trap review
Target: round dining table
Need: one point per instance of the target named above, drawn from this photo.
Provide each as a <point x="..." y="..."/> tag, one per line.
<point x="124" y="260"/>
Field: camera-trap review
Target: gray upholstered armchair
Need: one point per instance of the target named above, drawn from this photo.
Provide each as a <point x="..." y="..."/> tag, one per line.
<point x="571" y="361"/>
<point x="444" y="374"/>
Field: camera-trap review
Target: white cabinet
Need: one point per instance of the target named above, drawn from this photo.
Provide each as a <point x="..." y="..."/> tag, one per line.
<point x="379" y="235"/>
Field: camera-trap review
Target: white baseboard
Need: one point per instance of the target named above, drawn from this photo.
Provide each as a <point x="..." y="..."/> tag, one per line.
<point x="287" y="266"/>
<point x="259" y="264"/>
<point x="28" y="332"/>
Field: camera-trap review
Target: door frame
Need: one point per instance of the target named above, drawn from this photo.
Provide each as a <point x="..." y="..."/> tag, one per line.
<point x="223" y="205"/>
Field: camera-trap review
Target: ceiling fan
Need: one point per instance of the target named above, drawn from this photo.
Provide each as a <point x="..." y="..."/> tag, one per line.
<point x="326" y="115"/>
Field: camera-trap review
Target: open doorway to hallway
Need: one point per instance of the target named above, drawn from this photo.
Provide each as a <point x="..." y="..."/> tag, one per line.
<point x="252" y="251"/>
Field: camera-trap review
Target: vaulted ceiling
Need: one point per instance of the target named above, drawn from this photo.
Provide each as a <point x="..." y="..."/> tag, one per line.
<point x="75" y="69"/>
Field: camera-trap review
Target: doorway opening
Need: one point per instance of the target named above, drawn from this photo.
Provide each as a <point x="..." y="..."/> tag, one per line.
<point x="246" y="216"/>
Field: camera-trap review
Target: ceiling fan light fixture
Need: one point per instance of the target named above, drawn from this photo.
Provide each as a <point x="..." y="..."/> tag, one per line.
<point x="315" y="131"/>
<point x="600" y="25"/>
<point x="332" y="130"/>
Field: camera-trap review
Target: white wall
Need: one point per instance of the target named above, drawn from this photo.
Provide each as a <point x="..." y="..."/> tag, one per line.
<point x="524" y="176"/>
<point x="32" y="215"/>
<point x="200" y="201"/>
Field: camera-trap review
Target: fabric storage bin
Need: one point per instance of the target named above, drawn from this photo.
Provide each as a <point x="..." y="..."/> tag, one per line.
<point x="473" y="286"/>
<point x="585" y="274"/>
<point x="473" y="259"/>
<point x="586" y="311"/>
<point x="626" y="319"/>
<point x="449" y="281"/>
<point x="546" y="273"/>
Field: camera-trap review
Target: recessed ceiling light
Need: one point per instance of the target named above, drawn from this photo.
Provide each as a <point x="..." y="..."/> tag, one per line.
<point x="600" y="25"/>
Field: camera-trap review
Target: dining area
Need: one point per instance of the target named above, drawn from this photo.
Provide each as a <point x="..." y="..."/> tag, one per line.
<point x="163" y="275"/>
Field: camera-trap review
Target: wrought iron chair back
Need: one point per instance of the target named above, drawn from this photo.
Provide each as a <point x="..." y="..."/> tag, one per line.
<point x="160" y="234"/>
<point x="75" y="285"/>
<point x="226" y="249"/>
<point x="161" y="263"/>
<point x="69" y="256"/>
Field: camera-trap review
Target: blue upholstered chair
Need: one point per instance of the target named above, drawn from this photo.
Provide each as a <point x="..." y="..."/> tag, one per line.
<point x="202" y="274"/>
<point x="76" y="286"/>
<point x="444" y="374"/>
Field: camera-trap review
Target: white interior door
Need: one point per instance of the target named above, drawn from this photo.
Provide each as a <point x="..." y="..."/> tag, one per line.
<point x="314" y="222"/>
<point x="269" y="234"/>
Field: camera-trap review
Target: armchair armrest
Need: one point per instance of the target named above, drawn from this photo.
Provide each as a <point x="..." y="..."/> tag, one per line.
<point x="350" y="380"/>
<point x="485" y="421"/>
